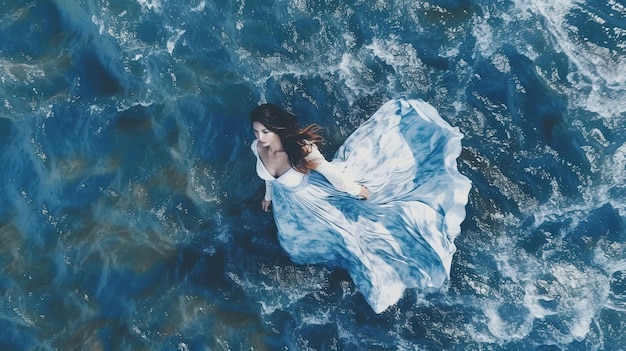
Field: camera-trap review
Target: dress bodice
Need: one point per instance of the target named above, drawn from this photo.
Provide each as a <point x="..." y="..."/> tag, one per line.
<point x="290" y="179"/>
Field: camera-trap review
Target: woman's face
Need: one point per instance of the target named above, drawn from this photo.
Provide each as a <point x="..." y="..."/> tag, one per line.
<point x="265" y="136"/>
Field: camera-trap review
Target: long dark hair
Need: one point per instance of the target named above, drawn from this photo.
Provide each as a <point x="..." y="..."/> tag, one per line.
<point x="296" y="142"/>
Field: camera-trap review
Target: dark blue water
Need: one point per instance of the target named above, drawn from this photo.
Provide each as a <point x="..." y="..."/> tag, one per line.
<point x="129" y="206"/>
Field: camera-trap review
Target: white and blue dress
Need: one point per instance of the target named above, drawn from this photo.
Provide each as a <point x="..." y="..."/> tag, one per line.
<point x="403" y="236"/>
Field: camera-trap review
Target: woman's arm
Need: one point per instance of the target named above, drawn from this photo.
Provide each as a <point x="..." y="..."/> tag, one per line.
<point x="267" y="199"/>
<point x="268" y="191"/>
<point x="341" y="181"/>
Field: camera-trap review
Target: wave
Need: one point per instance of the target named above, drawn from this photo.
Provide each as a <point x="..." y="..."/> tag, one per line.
<point x="129" y="203"/>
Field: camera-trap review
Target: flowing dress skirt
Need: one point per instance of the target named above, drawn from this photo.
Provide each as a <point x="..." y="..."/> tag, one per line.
<point x="403" y="236"/>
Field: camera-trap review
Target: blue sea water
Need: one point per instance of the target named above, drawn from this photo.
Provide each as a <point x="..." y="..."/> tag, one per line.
<point x="129" y="205"/>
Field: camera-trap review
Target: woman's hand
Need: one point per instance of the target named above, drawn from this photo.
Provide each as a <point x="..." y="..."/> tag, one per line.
<point x="266" y="205"/>
<point x="364" y="194"/>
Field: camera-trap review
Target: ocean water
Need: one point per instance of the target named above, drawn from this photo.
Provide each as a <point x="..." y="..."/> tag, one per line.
<point x="129" y="206"/>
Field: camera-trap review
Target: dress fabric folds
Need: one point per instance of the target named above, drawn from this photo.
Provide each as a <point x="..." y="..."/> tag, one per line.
<point x="403" y="236"/>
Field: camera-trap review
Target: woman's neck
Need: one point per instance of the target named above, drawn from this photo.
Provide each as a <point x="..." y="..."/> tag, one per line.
<point x="275" y="148"/>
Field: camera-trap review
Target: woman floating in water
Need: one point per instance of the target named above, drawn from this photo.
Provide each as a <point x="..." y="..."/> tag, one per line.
<point x="387" y="207"/>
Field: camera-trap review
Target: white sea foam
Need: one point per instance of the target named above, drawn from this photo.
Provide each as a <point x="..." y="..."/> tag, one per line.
<point x="507" y="327"/>
<point x="618" y="165"/>
<point x="200" y="7"/>
<point x="203" y="185"/>
<point x="598" y="76"/>
<point x="598" y="65"/>
<point x="299" y="5"/>
<point x="280" y="286"/>
<point x="151" y="5"/>
<point x="611" y="170"/>
<point x="541" y="287"/>
<point x="173" y="40"/>
<point x="353" y="72"/>
<point x="409" y="70"/>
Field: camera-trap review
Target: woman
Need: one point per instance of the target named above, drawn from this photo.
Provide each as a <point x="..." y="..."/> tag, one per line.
<point x="387" y="207"/>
